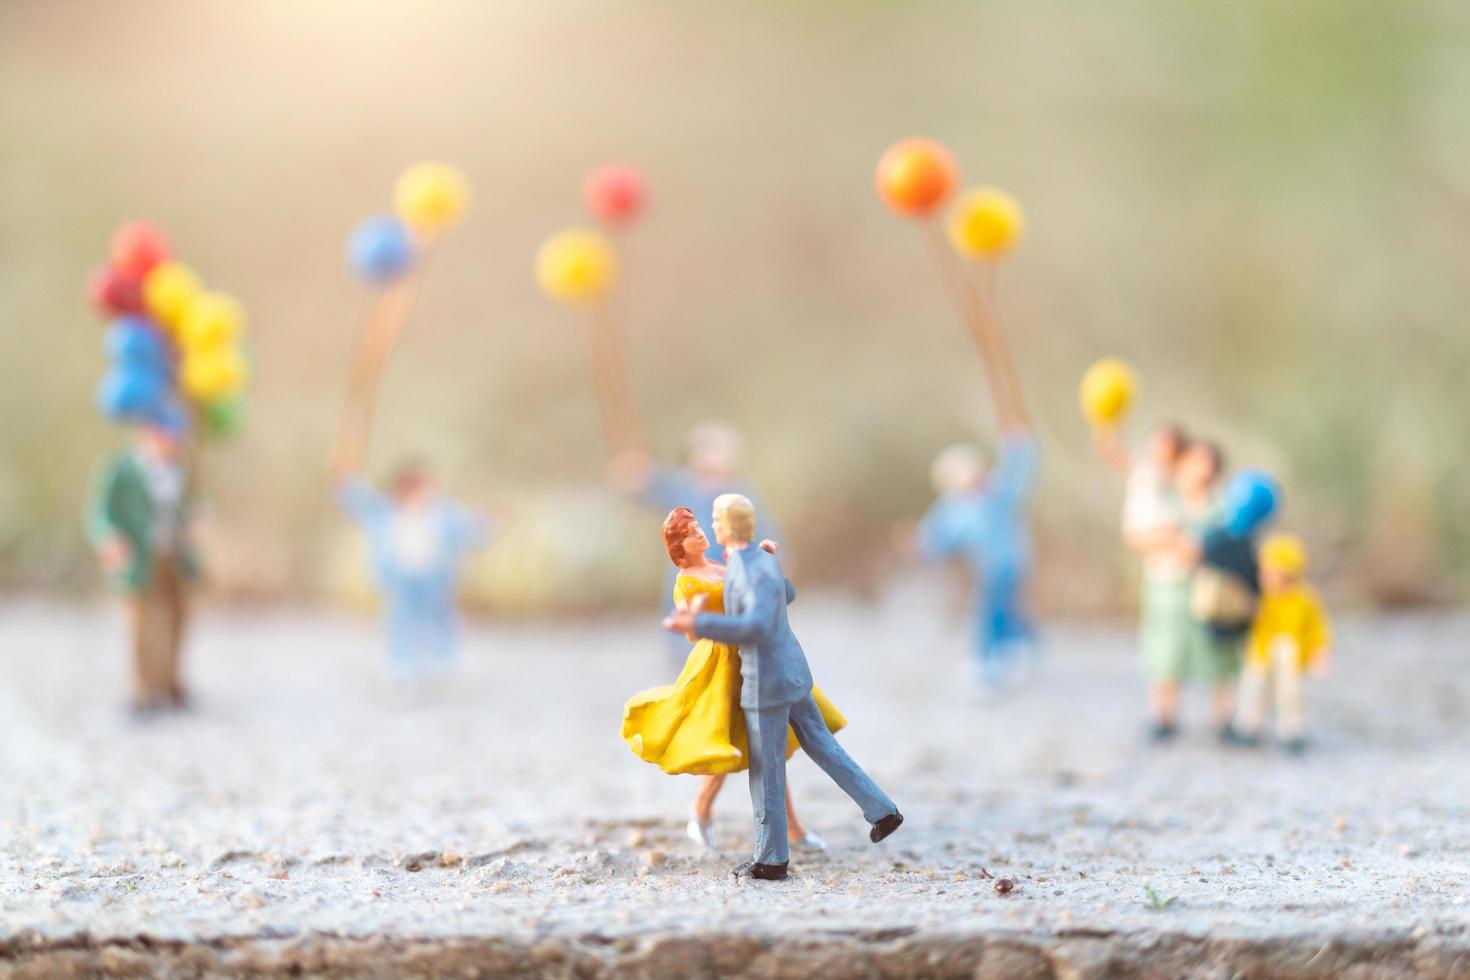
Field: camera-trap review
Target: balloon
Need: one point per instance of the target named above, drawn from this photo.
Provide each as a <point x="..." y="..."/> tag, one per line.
<point x="112" y="293"/>
<point x="576" y="265"/>
<point x="211" y="375"/>
<point x="915" y="177"/>
<point x="168" y="290"/>
<point x="212" y="320"/>
<point x="135" y="341"/>
<point x="1251" y="498"/>
<point x="1106" y="392"/>
<point x="380" y="249"/>
<point x="987" y="223"/>
<point x="223" y="418"/>
<point x="136" y="248"/>
<point x="430" y="197"/>
<point x="614" y="193"/>
<point x="127" y="393"/>
<point x="171" y="415"/>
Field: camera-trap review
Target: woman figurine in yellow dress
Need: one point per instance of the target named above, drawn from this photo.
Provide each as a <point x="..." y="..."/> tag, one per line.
<point x="695" y="725"/>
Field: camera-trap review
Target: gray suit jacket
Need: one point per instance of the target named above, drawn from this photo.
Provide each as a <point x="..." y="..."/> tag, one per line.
<point x="771" y="661"/>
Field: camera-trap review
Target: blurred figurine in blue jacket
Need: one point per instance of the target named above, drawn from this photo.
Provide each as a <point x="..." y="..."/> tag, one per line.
<point x="711" y="469"/>
<point x="980" y="518"/>
<point x="416" y="539"/>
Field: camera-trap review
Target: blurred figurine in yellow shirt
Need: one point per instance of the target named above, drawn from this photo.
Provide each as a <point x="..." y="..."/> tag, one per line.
<point x="1290" y="636"/>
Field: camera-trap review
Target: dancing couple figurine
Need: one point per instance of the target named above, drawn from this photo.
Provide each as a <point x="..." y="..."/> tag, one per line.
<point x="776" y="701"/>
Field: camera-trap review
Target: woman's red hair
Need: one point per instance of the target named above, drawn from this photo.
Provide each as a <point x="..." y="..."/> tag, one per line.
<point x="676" y="528"/>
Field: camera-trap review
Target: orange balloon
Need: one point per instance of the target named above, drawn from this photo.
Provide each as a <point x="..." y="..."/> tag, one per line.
<point x="915" y="177"/>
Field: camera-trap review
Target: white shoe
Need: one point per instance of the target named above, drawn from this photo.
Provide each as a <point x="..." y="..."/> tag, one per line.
<point x="811" y="842"/>
<point x="702" y="832"/>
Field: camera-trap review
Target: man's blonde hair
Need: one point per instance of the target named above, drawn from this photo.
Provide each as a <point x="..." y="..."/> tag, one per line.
<point x="737" y="514"/>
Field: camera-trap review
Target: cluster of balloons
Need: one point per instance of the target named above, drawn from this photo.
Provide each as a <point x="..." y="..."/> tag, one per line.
<point x="917" y="177"/>
<point x="580" y="265"/>
<point x="173" y="347"/>
<point x="1106" y="392"/>
<point x="427" y="198"/>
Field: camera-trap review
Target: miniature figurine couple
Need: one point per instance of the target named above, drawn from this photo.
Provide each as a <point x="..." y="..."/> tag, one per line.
<point x="712" y="721"/>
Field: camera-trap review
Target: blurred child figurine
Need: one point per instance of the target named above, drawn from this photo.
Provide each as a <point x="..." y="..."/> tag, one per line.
<point x="776" y="689"/>
<point x="140" y="521"/>
<point x="1289" y="637"/>
<point x="416" y="538"/>
<point x="981" y="518"/>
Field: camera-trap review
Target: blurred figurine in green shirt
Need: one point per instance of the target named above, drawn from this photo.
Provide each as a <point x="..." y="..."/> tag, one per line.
<point x="139" y="520"/>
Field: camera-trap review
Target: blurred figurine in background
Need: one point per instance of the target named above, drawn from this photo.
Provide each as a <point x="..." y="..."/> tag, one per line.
<point x="140" y="520"/>
<point x="1148" y="511"/>
<point x="416" y="539"/>
<point x="711" y="469"/>
<point x="1226" y="585"/>
<point x="1177" y="647"/>
<point x="776" y="689"/>
<point x="980" y="517"/>
<point x="1290" y="636"/>
<point x="695" y="725"/>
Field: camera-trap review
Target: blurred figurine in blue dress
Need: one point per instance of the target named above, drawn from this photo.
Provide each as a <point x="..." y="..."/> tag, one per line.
<point x="980" y="519"/>
<point x="416" y="540"/>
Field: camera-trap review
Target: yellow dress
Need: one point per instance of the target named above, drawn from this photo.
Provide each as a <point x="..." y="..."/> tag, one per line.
<point x="695" y="725"/>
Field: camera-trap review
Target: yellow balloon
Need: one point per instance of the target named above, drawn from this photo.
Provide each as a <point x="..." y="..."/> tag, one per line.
<point x="576" y="266"/>
<point x="430" y="197"/>
<point x="212" y="320"/>
<point x="1106" y="392"/>
<point x="214" y="374"/>
<point x="987" y="223"/>
<point x="168" y="289"/>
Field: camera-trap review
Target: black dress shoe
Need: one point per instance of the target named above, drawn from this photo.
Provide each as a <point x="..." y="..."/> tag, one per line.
<point x="765" y="872"/>
<point x="885" y="826"/>
<point x="1160" y="732"/>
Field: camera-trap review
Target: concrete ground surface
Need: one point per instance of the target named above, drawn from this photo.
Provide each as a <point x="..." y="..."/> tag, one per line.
<point x="308" y="816"/>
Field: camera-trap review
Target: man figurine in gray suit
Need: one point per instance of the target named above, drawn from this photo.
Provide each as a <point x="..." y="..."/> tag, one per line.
<point x="776" y="690"/>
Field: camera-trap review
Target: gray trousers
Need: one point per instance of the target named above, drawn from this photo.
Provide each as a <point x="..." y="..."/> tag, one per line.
<point x="767" y="730"/>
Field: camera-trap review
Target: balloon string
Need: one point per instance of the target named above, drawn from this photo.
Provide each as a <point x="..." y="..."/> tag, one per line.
<point x="979" y="313"/>
<point x="383" y="332"/>
<point x="621" y="424"/>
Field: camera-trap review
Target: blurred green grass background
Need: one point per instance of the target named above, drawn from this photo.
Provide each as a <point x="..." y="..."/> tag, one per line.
<point x="1265" y="207"/>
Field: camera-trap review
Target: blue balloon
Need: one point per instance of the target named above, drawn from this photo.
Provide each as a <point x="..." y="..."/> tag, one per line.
<point x="1250" y="500"/>
<point x="126" y="394"/>
<point x="380" y="249"/>
<point x="135" y="341"/>
<point x="170" y="415"/>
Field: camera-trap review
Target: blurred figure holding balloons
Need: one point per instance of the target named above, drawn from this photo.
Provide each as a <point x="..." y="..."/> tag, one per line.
<point x="417" y="537"/>
<point x="1170" y="509"/>
<point x="980" y="515"/>
<point x="140" y="519"/>
<point x="176" y="372"/>
<point x="581" y="268"/>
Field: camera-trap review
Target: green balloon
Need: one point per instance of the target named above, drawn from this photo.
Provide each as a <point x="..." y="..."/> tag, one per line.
<point x="224" y="418"/>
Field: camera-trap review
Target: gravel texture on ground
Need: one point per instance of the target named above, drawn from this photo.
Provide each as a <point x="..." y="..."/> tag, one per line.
<point x="307" y="815"/>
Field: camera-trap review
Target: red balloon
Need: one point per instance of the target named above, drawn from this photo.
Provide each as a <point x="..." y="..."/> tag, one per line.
<point x="113" y="293"/>
<point x="137" y="247"/>
<point x="614" y="193"/>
